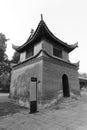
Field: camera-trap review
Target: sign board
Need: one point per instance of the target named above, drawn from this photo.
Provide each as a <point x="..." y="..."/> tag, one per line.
<point x="33" y="79"/>
<point x="33" y="89"/>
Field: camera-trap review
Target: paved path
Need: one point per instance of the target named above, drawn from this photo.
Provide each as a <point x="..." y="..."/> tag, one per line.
<point x="13" y="117"/>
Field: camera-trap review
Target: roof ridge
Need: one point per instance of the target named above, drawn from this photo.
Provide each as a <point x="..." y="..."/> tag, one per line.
<point x="49" y="34"/>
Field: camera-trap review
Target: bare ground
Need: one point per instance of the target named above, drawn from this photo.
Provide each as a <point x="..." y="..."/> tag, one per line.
<point x="66" y="116"/>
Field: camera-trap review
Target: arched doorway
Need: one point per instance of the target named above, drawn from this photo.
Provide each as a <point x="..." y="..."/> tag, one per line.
<point x="65" y="83"/>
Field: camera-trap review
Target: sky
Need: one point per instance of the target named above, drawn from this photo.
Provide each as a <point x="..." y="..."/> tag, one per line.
<point x="66" y="19"/>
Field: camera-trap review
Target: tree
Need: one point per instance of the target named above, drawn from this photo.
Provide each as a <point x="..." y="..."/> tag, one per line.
<point x="16" y="57"/>
<point x="2" y="47"/>
<point x="4" y="62"/>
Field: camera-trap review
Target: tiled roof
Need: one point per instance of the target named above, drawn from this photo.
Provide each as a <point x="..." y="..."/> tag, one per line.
<point x="43" y="31"/>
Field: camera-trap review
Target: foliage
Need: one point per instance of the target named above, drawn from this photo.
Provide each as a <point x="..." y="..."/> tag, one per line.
<point x="4" y="63"/>
<point x="2" y="47"/>
<point x="16" y="57"/>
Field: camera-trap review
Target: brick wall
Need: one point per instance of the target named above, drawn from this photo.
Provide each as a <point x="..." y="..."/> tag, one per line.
<point x="37" y="47"/>
<point x="22" y="56"/>
<point x="65" y="55"/>
<point x="53" y="70"/>
<point x="20" y="80"/>
<point x="49" y="72"/>
<point x="48" y="47"/>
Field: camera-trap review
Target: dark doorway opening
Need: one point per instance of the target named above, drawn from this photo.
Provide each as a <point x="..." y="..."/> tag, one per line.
<point x="65" y="83"/>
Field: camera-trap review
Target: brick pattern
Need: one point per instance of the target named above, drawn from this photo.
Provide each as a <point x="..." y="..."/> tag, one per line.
<point x="52" y="78"/>
<point x="20" y="81"/>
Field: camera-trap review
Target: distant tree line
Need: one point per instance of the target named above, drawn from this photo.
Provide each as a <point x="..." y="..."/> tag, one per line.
<point x="83" y="75"/>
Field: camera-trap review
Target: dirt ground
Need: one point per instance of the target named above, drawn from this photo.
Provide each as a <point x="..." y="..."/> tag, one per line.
<point x="69" y="115"/>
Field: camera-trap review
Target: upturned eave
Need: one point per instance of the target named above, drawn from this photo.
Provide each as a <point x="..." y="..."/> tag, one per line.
<point x="42" y="31"/>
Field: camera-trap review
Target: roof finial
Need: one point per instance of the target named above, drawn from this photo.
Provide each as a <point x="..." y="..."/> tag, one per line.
<point x="31" y="33"/>
<point x="41" y="16"/>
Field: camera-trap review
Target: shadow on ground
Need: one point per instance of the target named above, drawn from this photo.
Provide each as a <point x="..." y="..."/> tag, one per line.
<point x="7" y="108"/>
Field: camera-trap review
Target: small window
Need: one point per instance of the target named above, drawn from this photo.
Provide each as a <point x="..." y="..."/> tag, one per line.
<point x="29" y="52"/>
<point x="57" y="52"/>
